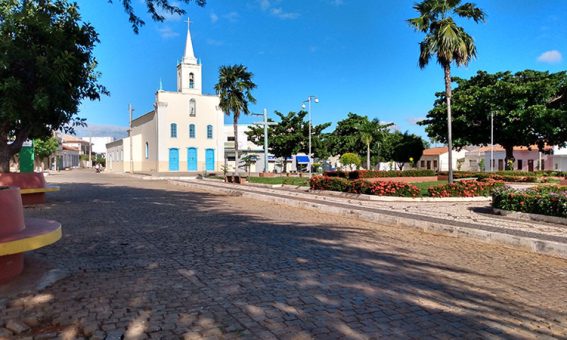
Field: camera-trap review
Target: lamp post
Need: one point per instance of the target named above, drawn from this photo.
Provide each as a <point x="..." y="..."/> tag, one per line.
<point x="265" y="123"/>
<point x="492" y="141"/>
<point x="309" y="100"/>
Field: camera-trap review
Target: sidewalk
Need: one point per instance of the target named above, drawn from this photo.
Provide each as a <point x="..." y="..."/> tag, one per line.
<point x="461" y="219"/>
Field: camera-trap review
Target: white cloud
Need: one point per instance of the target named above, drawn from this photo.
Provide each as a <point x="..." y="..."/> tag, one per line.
<point x="414" y="120"/>
<point x="167" y="33"/>
<point x="214" y="18"/>
<point x="280" y="13"/>
<point x="214" y="42"/>
<point x="231" y="16"/>
<point x="98" y="130"/>
<point x="550" y="57"/>
<point x="170" y="16"/>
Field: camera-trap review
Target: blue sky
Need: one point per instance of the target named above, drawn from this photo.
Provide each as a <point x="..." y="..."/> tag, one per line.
<point x="355" y="55"/>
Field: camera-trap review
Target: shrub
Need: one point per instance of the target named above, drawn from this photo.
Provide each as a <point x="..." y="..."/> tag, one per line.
<point x="362" y="186"/>
<point x="507" y="176"/>
<point x="358" y="174"/>
<point x="329" y="183"/>
<point x="544" y="200"/>
<point x="465" y="188"/>
<point x="350" y="159"/>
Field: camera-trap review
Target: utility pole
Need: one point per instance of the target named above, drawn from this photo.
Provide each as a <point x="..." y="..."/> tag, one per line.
<point x="131" y="110"/>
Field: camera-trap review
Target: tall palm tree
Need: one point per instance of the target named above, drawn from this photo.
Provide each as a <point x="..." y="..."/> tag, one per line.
<point x="447" y="41"/>
<point x="234" y="89"/>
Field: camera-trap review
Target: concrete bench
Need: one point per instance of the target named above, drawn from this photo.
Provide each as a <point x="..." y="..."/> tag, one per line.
<point x="32" y="186"/>
<point x="19" y="235"/>
<point x="236" y="179"/>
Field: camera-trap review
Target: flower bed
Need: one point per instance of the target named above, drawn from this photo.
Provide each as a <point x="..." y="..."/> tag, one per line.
<point x="506" y="176"/>
<point x="465" y="188"/>
<point x="361" y="186"/>
<point x="543" y="200"/>
<point x="358" y="174"/>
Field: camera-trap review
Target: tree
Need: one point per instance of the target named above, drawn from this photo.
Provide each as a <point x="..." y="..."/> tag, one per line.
<point x="235" y="87"/>
<point x="157" y="10"/>
<point x="44" y="148"/>
<point x="524" y="106"/>
<point x="248" y="161"/>
<point x="367" y="132"/>
<point x="290" y="136"/>
<point x="447" y="41"/>
<point x="356" y="133"/>
<point x="408" y="148"/>
<point x="47" y="68"/>
<point x="349" y="159"/>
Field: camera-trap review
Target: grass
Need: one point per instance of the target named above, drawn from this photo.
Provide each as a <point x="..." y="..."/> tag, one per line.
<point x="423" y="186"/>
<point x="299" y="181"/>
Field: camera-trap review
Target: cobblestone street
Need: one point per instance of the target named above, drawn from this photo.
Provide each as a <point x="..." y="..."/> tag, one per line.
<point x="146" y="259"/>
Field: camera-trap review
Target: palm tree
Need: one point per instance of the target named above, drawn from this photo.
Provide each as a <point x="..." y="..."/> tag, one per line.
<point x="234" y="89"/>
<point x="447" y="41"/>
<point x="368" y="129"/>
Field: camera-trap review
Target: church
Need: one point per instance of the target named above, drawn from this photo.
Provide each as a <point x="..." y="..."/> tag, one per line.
<point x="183" y="133"/>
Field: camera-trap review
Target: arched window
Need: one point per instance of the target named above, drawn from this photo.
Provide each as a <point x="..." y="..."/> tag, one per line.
<point x="191" y="130"/>
<point x="192" y="108"/>
<point x="191" y="81"/>
<point x="147" y="151"/>
<point x="173" y="130"/>
<point x="209" y="131"/>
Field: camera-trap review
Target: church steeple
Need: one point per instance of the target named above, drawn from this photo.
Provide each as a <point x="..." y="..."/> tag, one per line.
<point x="189" y="55"/>
<point x="189" y="69"/>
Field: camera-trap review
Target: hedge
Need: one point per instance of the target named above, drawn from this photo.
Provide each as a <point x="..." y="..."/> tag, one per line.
<point x="506" y="176"/>
<point x="361" y="186"/>
<point x="358" y="174"/>
<point x="544" y="200"/>
<point x="465" y="188"/>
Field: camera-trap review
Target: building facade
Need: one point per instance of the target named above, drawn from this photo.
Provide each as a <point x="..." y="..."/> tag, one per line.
<point x="183" y="132"/>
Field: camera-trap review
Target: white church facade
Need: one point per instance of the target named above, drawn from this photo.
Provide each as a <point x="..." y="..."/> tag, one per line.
<point x="183" y="133"/>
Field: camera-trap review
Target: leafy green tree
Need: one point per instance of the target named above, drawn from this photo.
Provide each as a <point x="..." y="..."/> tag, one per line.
<point x="290" y="136"/>
<point x="45" y="147"/>
<point x="157" y="10"/>
<point x="248" y="161"/>
<point x="524" y="106"/>
<point x="407" y="148"/>
<point x="447" y="41"/>
<point x="47" y="69"/>
<point x="349" y="159"/>
<point x="357" y="134"/>
<point x="235" y="87"/>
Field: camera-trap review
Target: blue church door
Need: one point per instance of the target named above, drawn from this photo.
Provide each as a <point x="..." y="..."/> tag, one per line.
<point x="191" y="159"/>
<point x="210" y="160"/>
<point x="173" y="159"/>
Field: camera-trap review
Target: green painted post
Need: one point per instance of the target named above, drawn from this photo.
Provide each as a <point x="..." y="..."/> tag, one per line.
<point x="27" y="157"/>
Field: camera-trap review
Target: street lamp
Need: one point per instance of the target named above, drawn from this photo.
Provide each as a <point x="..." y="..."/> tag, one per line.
<point x="309" y="100"/>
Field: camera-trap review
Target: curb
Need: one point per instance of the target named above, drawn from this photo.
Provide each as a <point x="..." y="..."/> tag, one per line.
<point x="401" y="199"/>
<point x="530" y="217"/>
<point x="544" y="247"/>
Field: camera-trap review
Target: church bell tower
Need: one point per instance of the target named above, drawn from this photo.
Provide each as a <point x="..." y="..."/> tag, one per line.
<point x="189" y="69"/>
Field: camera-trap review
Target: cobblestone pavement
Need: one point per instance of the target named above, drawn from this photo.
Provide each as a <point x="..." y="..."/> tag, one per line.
<point x="146" y="259"/>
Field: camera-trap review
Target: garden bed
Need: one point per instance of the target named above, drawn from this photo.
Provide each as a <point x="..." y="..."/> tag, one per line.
<point x="549" y="200"/>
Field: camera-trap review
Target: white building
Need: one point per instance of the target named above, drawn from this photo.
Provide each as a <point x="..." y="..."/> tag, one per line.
<point x="183" y="132"/>
<point x="98" y="144"/>
<point x="438" y="159"/>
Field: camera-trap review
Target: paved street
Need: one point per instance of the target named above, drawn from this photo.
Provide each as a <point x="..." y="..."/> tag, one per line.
<point x="148" y="259"/>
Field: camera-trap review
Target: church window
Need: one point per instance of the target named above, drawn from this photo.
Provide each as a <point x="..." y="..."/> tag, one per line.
<point x="192" y="108"/>
<point x="209" y="131"/>
<point x="191" y="130"/>
<point x="191" y="81"/>
<point x="147" y="151"/>
<point x="173" y="130"/>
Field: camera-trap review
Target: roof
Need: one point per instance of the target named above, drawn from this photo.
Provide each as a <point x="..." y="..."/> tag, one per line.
<point x="72" y="139"/>
<point x="498" y="147"/>
<point x="143" y="119"/>
<point x="115" y="143"/>
<point x="435" y="151"/>
<point x="69" y="148"/>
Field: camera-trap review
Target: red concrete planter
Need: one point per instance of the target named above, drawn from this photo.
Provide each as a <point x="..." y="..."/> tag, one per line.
<point x="18" y="235"/>
<point x="30" y="180"/>
<point x="267" y="174"/>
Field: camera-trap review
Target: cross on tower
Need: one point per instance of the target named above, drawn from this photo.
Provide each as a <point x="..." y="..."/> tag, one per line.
<point x="188" y="21"/>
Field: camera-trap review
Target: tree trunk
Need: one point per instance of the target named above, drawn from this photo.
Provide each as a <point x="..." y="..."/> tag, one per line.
<point x="5" y="157"/>
<point x="285" y="164"/>
<point x="509" y="156"/>
<point x="447" y="70"/>
<point x="368" y="156"/>
<point x="236" y="158"/>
